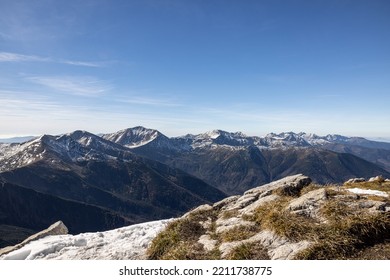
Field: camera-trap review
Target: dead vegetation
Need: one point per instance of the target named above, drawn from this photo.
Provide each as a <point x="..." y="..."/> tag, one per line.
<point x="342" y="230"/>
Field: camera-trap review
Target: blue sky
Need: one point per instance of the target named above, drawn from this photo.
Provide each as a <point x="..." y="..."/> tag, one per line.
<point x="184" y="66"/>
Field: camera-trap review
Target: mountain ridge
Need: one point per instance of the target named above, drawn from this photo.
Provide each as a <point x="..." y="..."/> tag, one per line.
<point x="81" y="170"/>
<point x="234" y="162"/>
<point x="269" y="140"/>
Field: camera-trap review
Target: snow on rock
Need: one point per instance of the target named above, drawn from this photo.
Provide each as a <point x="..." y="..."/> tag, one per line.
<point x="123" y="243"/>
<point x="369" y="192"/>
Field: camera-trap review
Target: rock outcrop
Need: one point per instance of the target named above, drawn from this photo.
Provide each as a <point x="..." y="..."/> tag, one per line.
<point x="57" y="228"/>
<point x="286" y="219"/>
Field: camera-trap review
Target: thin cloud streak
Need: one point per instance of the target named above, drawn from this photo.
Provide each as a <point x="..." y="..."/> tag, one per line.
<point x="82" y="63"/>
<point x="15" y="57"/>
<point x="81" y="86"/>
<point x="148" y="101"/>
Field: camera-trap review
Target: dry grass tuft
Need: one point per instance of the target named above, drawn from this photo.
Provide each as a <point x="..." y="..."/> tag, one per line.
<point x="230" y="214"/>
<point x="177" y="232"/>
<point x="239" y="233"/>
<point x="380" y="186"/>
<point x="343" y="231"/>
<point x="346" y="233"/>
<point x="249" y="251"/>
<point x="273" y="216"/>
<point x="310" y="188"/>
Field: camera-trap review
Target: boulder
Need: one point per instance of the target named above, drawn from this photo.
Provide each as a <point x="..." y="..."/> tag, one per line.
<point x="207" y="242"/>
<point x="290" y="185"/>
<point x="378" y="179"/>
<point x="355" y="180"/>
<point x="309" y="203"/>
<point x="223" y="225"/>
<point x="278" y="248"/>
<point x="57" y="228"/>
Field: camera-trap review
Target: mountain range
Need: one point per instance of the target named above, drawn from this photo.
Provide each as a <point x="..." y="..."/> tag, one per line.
<point x="96" y="183"/>
<point x="234" y="162"/>
<point x="90" y="183"/>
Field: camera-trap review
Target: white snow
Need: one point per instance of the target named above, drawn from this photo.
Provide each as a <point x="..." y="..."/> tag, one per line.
<point x="123" y="243"/>
<point x="133" y="137"/>
<point x="369" y="192"/>
<point x="214" y="134"/>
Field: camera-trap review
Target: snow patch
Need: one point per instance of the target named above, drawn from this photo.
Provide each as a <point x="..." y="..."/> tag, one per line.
<point x="369" y="192"/>
<point x="129" y="242"/>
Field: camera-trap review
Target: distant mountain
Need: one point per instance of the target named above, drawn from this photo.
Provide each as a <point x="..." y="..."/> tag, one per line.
<point x="234" y="162"/>
<point x="80" y="171"/>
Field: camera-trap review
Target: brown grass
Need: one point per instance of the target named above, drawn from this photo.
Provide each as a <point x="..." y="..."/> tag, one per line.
<point x="310" y="188"/>
<point x="273" y="216"/>
<point x="177" y="233"/>
<point x="238" y="233"/>
<point x="229" y="214"/>
<point x="343" y="232"/>
<point x="384" y="186"/>
<point x="249" y="251"/>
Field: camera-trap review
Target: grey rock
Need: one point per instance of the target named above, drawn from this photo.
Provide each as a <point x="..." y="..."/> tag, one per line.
<point x="224" y="202"/>
<point x="291" y="185"/>
<point x="224" y="225"/>
<point x="57" y="228"/>
<point x="278" y="247"/>
<point x="207" y="242"/>
<point x="378" y="179"/>
<point x="382" y="206"/>
<point x="250" y="209"/>
<point x="242" y="202"/>
<point x="199" y="209"/>
<point x="309" y="203"/>
<point x="355" y="180"/>
<point x="371" y="204"/>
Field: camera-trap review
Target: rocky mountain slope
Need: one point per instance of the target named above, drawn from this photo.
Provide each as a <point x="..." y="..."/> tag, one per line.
<point x="286" y="219"/>
<point x="91" y="184"/>
<point x="291" y="218"/>
<point x="234" y="162"/>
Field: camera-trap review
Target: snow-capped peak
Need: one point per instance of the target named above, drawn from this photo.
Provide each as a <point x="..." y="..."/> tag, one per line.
<point x="15" y="155"/>
<point x="134" y="137"/>
<point x="74" y="146"/>
<point x="286" y="139"/>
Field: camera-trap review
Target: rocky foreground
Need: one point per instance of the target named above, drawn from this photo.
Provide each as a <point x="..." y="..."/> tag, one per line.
<point x="286" y="219"/>
<point x="291" y="218"/>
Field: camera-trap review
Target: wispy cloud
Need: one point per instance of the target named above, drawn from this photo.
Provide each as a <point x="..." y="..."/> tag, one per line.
<point x="23" y="104"/>
<point x="82" y="86"/>
<point x="82" y="63"/>
<point x="141" y="100"/>
<point x="16" y="57"/>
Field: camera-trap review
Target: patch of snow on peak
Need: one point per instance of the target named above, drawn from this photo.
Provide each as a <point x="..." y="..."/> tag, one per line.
<point x="214" y="134"/>
<point x="14" y="155"/>
<point x="133" y="137"/>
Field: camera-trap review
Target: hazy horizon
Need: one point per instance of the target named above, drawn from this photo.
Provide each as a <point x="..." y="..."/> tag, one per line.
<point x="193" y="66"/>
